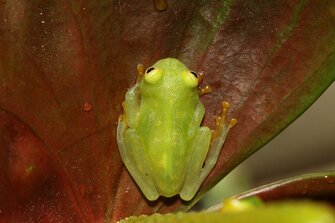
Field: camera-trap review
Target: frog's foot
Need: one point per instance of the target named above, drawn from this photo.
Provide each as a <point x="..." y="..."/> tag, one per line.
<point x="123" y="117"/>
<point x="205" y="90"/>
<point x="123" y="106"/>
<point x="200" y="76"/>
<point x="202" y="90"/>
<point x="140" y="72"/>
<point x="222" y="125"/>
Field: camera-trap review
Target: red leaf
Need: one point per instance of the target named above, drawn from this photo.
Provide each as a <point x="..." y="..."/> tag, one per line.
<point x="318" y="186"/>
<point x="66" y="65"/>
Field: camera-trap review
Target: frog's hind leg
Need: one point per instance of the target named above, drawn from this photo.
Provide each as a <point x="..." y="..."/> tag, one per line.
<point x="194" y="176"/>
<point x="131" y="151"/>
<point x="202" y="163"/>
<point x="131" y="105"/>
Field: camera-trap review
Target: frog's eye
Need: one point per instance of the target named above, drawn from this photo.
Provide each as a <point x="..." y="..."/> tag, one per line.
<point x="190" y="78"/>
<point x="194" y="74"/>
<point x="152" y="75"/>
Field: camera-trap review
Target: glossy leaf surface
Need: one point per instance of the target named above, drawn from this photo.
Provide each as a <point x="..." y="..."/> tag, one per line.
<point x="316" y="186"/>
<point x="66" y="65"/>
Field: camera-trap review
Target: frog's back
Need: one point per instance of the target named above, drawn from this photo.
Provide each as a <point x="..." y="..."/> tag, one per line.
<point x="167" y="145"/>
<point x="165" y="116"/>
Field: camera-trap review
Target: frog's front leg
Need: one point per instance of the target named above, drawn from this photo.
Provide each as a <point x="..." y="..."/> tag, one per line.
<point x="219" y="134"/>
<point x="131" y="105"/>
<point x="200" y="163"/>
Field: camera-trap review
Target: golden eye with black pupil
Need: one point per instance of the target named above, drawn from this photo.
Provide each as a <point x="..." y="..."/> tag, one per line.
<point x="153" y="75"/>
<point x="149" y="70"/>
<point x="194" y="73"/>
<point x="190" y="78"/>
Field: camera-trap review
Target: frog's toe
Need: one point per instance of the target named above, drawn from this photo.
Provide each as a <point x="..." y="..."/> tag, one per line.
<point x="186" y="196"/>
<point x="205" y="90"/>
<point x="221" y="122"/>
<point x="140" y="72"/>
<point x="151" y="195"/>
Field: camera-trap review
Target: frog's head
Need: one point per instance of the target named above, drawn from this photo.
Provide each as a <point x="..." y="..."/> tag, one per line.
<point x="169" y="77"/>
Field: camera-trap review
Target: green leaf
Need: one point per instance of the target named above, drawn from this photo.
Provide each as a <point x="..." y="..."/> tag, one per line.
<point x="283" y="212"/>
<point x="66" y="65"/>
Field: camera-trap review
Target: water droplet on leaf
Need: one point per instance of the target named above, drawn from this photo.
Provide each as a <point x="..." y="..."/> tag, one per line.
<point x="87" y="107"/>
<point x="160" y="5"/>
<point x="329" y="179"/>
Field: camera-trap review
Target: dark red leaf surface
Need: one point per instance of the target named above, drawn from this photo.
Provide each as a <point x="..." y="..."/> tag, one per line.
<point x="317" y="186"/>
<point x="66" y="65"/>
